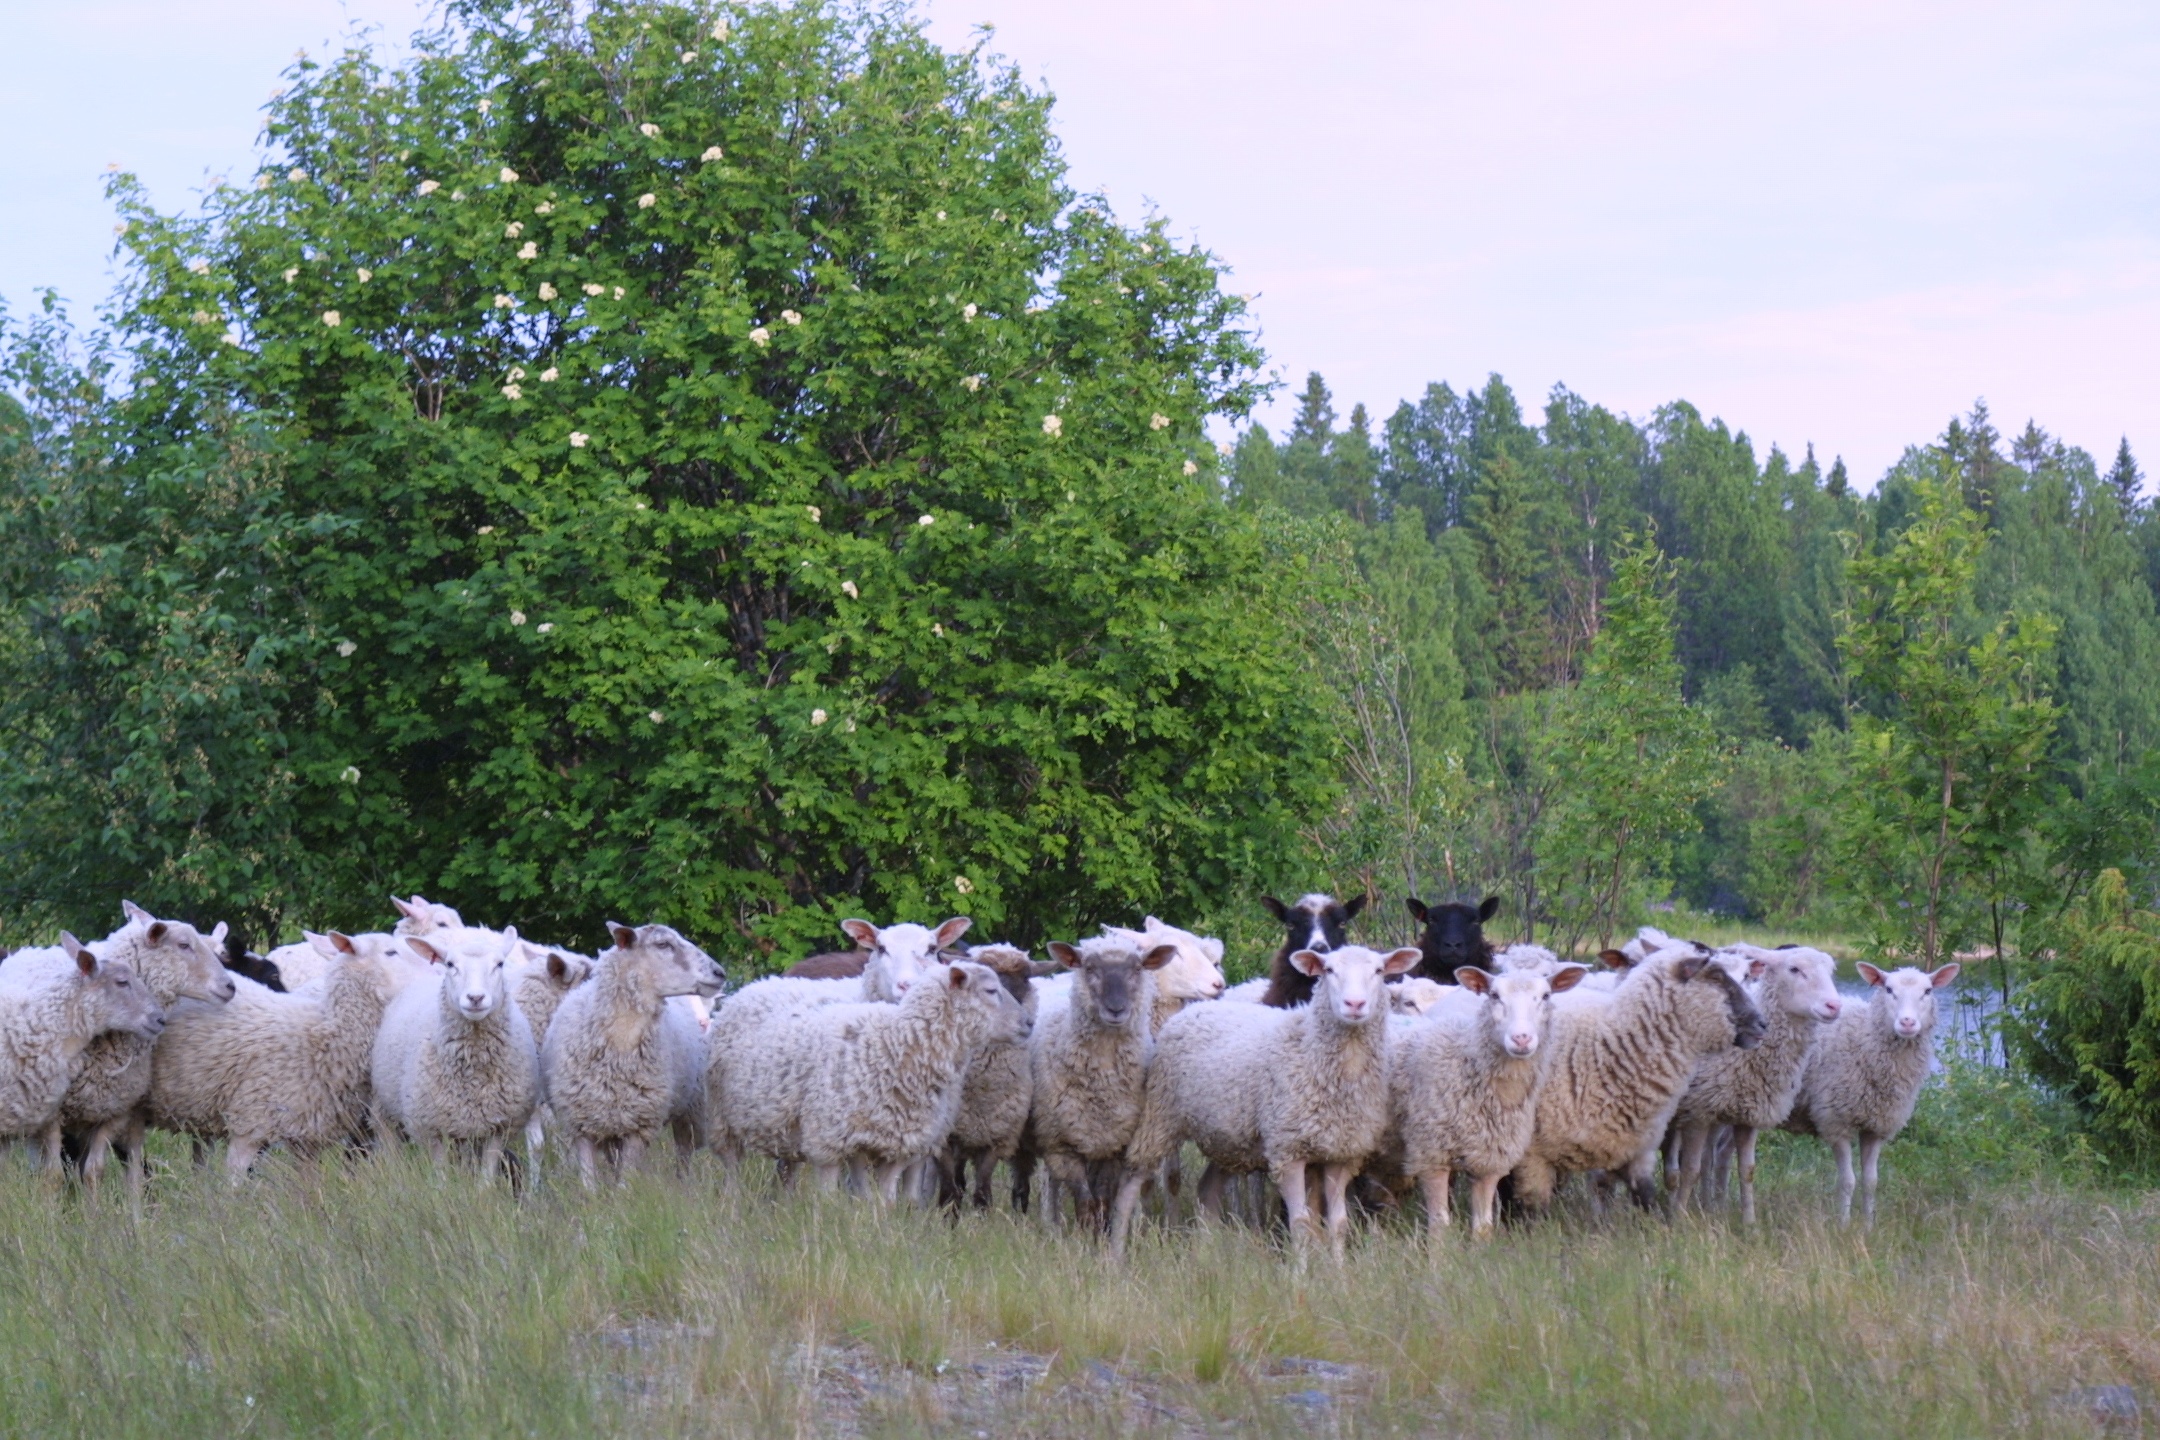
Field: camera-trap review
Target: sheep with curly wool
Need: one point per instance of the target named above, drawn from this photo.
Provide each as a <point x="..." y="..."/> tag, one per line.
<point x="997" y="1089"/>
<point x="1463" y="1089"/>
<point x="267" y="1068"/>
<point x="1753" y="1090"/>
<point x="620" y="1062"/>
<point x="1266" y="1088"/>
<point x="1087" y="1062"/>
<point x="54" y="1002"/>
<point x="106" y="1104"/>
<point x="455" y="1062"/>
<point x="1864" y="1075"/>
<point x="1618" y="1069"/>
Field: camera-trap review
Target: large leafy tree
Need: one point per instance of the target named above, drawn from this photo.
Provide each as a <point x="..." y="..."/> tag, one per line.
<point x="661" y="459"/>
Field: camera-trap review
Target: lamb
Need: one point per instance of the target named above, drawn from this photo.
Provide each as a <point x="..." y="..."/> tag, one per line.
<point x="884" y="1080"/>
<point x="995" y="1093"/>
<point x="266" y="1068"/>
<point x="1087" y="1059"/>
<point x="1316" y="922"/>
<point x="1618" y="1070"/>
<point x="619" y="1062"/>
<point x="106" y="1104"/>
<point x="455" y="1062"/>
<point x="1753" y="1090"/>
<point x="1451" y="936"/>
<point x="1864" y="1076"/>
<point x="1260" y="1087"/>
<point x="53" y="1004"/>
<point x="1463" y="1090"/>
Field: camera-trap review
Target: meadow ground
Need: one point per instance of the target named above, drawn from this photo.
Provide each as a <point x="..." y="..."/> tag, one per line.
<point x="2008" y="1287"/>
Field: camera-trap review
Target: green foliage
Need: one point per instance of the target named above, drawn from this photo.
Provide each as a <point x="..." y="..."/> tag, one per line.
<point x="1628" y="756"/>
<point x="2088" y="1022"/>
<point x="1944" y="767"/>
<point x="637" y="461"/>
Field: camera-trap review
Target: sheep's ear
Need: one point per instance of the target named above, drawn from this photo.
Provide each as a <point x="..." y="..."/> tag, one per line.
<point x="558" y="969"/>
<point x="510" y="941"/>
<point x="1036" y="969"/>
<point x="1357" y="904"/>
<point x="1489" y="908"/>
<point x="426" y="951"/>
<point x="1471" y="978"/>
<point x="1402" y="960"/>
<point x="320" y="944"/>
<point x="1308" y="962"/>
<point x="1613" y="959"/>
<point x="156" y="932"/>
<point x="1416" y="907"/>
<point x="79" y="953"/>
<point x="1212" y="948"/>
<point x="1756" y="967"/>
<point x="623" y="936"/>
<point x="1690" y="967"/>
<point x="406" y="908"/>
<point x="1942" y="977"/>
<point x="1158" y="957"/>
<point x="1567" y="977"/>
<point x="1869" y="973"/>
<point x="862" y="932"/>
<point x="959" y="977"/>
<point x="1064" y="954"/>
<point x="1276" y="908"/>
<point x="217" y="935"/>
<point x="950" y="932"/>
<point x="135" y="912"/>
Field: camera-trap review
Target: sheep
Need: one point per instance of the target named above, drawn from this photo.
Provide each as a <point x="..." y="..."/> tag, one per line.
<point x="1260" y="1087"/>
<point x="1463" y="1089"/>
<point x="456" y="1061"/>
<point x="265" y="1068"/>
<point x="1414" y="995"/>
<point x="883" y="1080"/>
<point x="54" y="1002"/>
<point x="1316" y="922"/>
<point x="540" y="977"/>
<point x="106" y="1103"/>
<point x="1196" y="973"/>
<point x="1451" y="935"/>
<point x="423" y="917"/>
<point x="243" y="961"/>
<point x="303" y="964"/>
<point x="619" y="1062"/>
<point x="1753" y="1090"/>
<point x="1087" y="1058"/>
<point x="1618" y="1069"/>
<point x="995" y="1093"/>
<point x="1864" y="1075"/>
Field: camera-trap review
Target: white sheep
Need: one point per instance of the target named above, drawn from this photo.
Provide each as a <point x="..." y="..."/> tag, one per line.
<point x="53" y="1003"/>
<point x="1864" y="1075"/>
<point x="423" y="917"/>
<point x="883" y="1081"/>
<point x="455" y="1062"/>
<point x="1260" y="1088"/>
<point x="1753" y="1090"/>
<point x="620" y="1062"/>
<point x="995" y="1094"/>
<point x="106" y="1103"/>
<point x="268" y="1067"/>
<point x="540" y="977"/>
<point x="1087" y="1061"/>
<point x="1463" y="1089"/>
<point x="1619" y="1067"/>
<point x="1415" y="995"/>
<point x="1196" y="973"/>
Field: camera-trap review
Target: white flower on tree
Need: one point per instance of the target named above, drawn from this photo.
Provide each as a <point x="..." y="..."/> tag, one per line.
<point x="1053" y="426"/>
<point x="578" y="439"/>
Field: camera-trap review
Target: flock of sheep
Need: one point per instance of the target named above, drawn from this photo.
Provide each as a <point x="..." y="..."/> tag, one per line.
<point x="910" y="1063"/>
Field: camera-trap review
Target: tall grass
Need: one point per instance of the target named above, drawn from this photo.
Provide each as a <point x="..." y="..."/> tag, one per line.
<point x="378" y="1296"/>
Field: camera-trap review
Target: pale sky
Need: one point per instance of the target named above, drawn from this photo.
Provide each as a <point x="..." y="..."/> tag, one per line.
<point x="1838" y="222"/>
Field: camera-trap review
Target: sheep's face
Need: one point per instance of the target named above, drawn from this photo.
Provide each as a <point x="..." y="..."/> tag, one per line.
<point x="1350" y="979"/>
<point x="1316" y="922"/>
<point x="995" y="1014"/>
<point x="388" y="957"/>
<point x="672" y="963"/>
<point x="1414" y="995"/>
<point x="476" y="977"/>
<point x="900" y="955"/>
<point x="1906" y="998"/>
<point x="1111" y="975"/>
<point x="114" y="996"/>
<point x="1800" y="981"/>
<point x="1518" y="1003"/>
<point x="421" y="916"/>
<point x="1196" y="973"/>
<point x="1453" y="933"/>
<point x="1016" y="973"/>
<point x="1742" y="1017"/>
<point x="192" y="964"/>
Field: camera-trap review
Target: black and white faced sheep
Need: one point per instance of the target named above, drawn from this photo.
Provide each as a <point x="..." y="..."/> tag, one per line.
<point x="1451" y="936"/>
<point x="1317" y="922"/>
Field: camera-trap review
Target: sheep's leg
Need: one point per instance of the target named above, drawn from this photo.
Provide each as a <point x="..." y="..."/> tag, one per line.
<point x="385" y="1135"/>
<point x="1689" y="1146"/>
<point x="438" y="1149"/>
<point x="1023" y="1181"/>
<point x="1842" y="1149"/>
<point x="587" y="1151"/>
<point x="1534" y="1181"/>
<point x="133" y="1133"/>
<point x="1674" y="1149"/>
<point x="888" y="1181"/>
<point x="1069" y="1172"/>
<point x="97" y="1154"/>
<point x="1290" y="1182"/>
<point x="491" y="1158"/>
<point x="1335" y="1188"/>
<point x="827" y="1176"/>
<point x="629" y="1157"/>
<point x="1210" y="1192"/>
<point x="52" y="1161"/>
<point x="239" y="1156"/>
<point x="1484" y="1200"/>
<point x="1723" y="1151"/>
<point x="1870" y="1152"/>
<point x="1128" y="1199"/>
<point x="1743" y="1146"/>
<point x="1434" y="1185"/>
<point x="985" y="1172"/>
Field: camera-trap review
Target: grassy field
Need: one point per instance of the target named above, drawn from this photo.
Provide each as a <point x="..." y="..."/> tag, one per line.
<point x="2005" y="1281"/>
